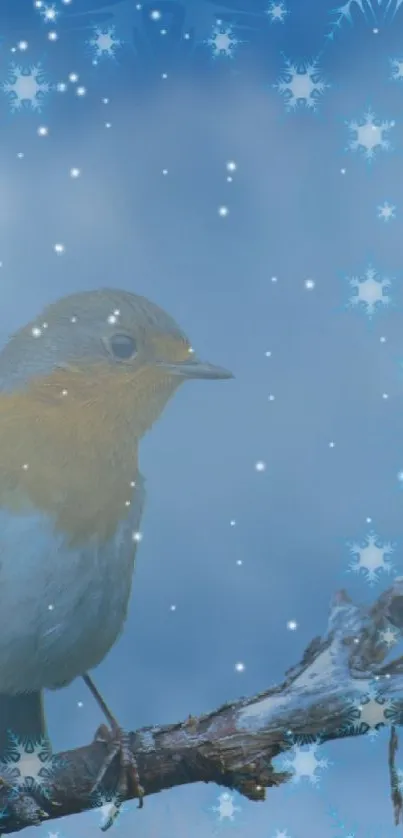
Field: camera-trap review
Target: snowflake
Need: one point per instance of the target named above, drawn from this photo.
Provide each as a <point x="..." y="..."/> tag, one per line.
<point x="301" y="85"/>
<point x="304" y="763"/>
<point x="26" y="86"/>
<point x="222" y="41"/>
<point x="389" y="636"/>
<point x="28" y="764"/>
<point x="226" y="808"/>
<point x="371" y="712"/>
<point x="104" y="43"/>
<point x="370" y="291"/>
<point x="369" y="135"/>
<point x="49" y="13"/>
<point x="371" y="556"/>
<point x="277" y="12"/>
<point x="372" y="10"/>
<point x="397" y="69"/>
<point x="386" y="211"/>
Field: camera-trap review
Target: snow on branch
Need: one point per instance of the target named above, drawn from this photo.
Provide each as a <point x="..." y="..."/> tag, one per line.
<point x="341" y="687"/>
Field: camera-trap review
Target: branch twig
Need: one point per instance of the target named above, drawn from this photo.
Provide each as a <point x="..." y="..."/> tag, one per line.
<point x="323" y="697"/>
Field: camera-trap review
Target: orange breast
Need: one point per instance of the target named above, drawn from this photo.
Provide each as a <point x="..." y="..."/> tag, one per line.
<point x="68" y="447"/>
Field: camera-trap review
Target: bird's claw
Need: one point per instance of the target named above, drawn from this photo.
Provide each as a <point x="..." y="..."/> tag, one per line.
<point x="22" y="805"/>
<point x="128" y="781"/>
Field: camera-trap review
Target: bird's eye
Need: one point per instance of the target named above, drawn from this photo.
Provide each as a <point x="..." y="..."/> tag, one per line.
<point x="123" y="346"/>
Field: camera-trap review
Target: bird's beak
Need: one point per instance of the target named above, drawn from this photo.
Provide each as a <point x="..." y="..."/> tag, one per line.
<point x="195" y="369"/>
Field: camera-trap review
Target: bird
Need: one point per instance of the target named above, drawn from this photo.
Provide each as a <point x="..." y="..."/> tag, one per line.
<point x="80" y="385"/>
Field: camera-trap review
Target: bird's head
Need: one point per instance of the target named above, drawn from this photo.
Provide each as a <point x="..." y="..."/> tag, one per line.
<point x="107" y="347"/>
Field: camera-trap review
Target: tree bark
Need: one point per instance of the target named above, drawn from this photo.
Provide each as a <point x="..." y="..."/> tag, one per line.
<point x="332" y="693"/>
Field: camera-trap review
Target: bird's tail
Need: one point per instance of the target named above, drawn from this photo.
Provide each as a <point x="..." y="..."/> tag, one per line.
<point x="22" y="720"/>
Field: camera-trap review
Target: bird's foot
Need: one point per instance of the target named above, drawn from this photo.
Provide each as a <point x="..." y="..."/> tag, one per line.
<point x="22" y="805"/>
<point x="128" y="779"/>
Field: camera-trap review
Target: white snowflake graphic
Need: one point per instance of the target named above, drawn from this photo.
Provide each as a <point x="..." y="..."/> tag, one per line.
<point x="277" y="12"/>
<point x="104" y="42"/>
<point x="222" y="41"/>
<point x="26" y="86"/>
<point x="369" y="291"/>
<point x="371" y="557"/>
<point x="389" y="636"/>
<point x="29" y="764"/>
<point x="301" y="85"/>
<point x="372" y="712"/>
<point x="386" y="211"/>
<point x="372" y="10"/>
<point x="368" y="135"/>
<point x="226" y="808"/>
<point x="397" y="69"/>
<point x="305" y="763"/>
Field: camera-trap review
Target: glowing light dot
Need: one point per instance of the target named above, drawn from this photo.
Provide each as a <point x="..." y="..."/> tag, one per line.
<point x="51" y="607"/>
<point x="59" y="248"/>
<point x="127" y="503"/>
<point x="79" y="703"/>
<point x="172" y="608"/>
<point x="382" y="340"/>
<point x="231" y="166"/>
<point x="385" y="396"/>
<point x="292" y="625"/>
<point x="268" y="354"/>
<point x="36" y="332"/>
<point x="108" y="125"/>
<point x="240" y="667"/>
<point x="112" y="318"/>
<point x="309" y="284"/>
<point x="23" y="45"/>
<point x="20" y="154"/>
<point x="25" y="466"/>
<point x="43" y="131"/>
<point x="165" y="171"/>
<point x="223" y="211"/>
<point x="73" y="319"/>
<point x="137" y="536"/>
<point x="155" y="14"/>
<point x="81" y="91"/>
<point x="164" y="75"/>
<point x="274" y="279"/>
<point x="53" y="36"/>
<point x="73" y="77"/>
<point x="232" y="523"/>
<point x="343" y="171"/>
<point x="74" y="172"/>
<point x="260" y="466"/>
<point x="132" y="483"/>
<point x="61" y="87"/>
<point x="105" y="100"/>
<point x="271" y="397"/>
<point x="239" y="562"/>
<point x="65" y="392"/>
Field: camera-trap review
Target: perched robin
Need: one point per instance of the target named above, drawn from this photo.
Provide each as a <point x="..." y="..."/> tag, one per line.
<point x="79" y="387"/>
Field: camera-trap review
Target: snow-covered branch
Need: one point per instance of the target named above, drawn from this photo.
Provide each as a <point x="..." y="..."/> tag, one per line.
<point x="340" y="688"/>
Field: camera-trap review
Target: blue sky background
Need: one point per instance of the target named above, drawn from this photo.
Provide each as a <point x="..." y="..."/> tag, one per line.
<point x="153" y="120"/>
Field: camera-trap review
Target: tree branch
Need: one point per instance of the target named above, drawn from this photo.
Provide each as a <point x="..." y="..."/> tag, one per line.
<point x="324" y="697"/>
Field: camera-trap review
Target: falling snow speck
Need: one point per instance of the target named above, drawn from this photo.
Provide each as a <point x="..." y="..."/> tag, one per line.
<point x="292" y="625"/>
<point x="260" y="466"/>
<point x="239" y="667"/>
<point x="74" y="172"/>
<point x="309" y="284"/>
<point x="223" y="211"/>
<point x="59" y="248"/>
<point x="231" y="166"/>
<point x="43" y="131"/>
